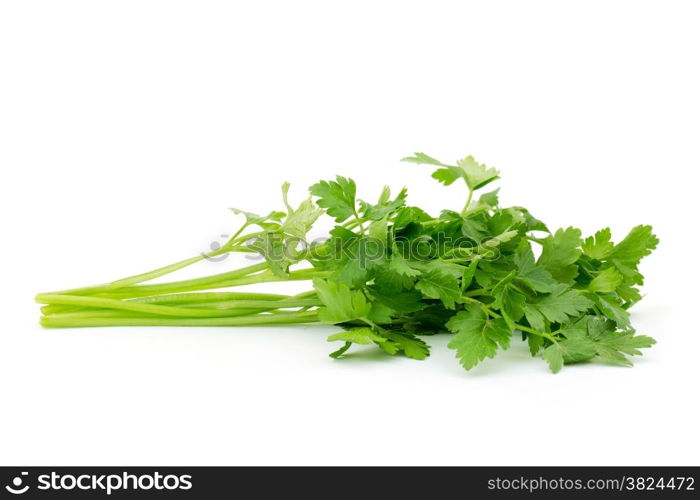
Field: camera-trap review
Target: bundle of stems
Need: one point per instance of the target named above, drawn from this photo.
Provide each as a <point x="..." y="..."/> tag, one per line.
<point x="205" y="301"/>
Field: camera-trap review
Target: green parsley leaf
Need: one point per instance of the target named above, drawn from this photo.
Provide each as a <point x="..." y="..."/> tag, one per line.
<point x="477" y="336"/>
<point x="404" y="302"/>
<point x="361" y="335"/>
<point x="490" y="198"/>
<point x="474" y="174"/>
<point x="614" y="311"/>
<point x="384" y="206"/>
<point x="606" y="281"/>
<point x="340" y="304"/>
<point x="271" y="245"/>
<point x="424" y="159"/>
<point x="598" y="246"/>
<point x="534" y="343"/>
<point x="534" y="275"/>
<point x="475" y="229"/>
<point x="534" y="317"/>
<point x="337" y="197"/>
<point x="637" y="244"/>
<point x="468" y="274"/>
<point x="592" y="336"/>
<point x="439" y="283"/>
<point x="410" y="215"/>
<point x="298" y="222"/>
<point x="509" y="300"/>
<point x="560" y="251"/>
<point x="411" y="346"/>
<point x="614" y="347"/>
<point x="562" y="303"/>
<point x="402" y="266"/>
<point x="568" y="351"/>
<point x="268" y="221"/>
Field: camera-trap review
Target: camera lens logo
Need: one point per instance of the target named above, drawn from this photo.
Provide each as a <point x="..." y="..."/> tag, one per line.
<point x="16" y="487"/>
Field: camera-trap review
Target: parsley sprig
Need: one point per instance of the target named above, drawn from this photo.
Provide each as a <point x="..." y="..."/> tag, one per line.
<point x="389" y="273"/>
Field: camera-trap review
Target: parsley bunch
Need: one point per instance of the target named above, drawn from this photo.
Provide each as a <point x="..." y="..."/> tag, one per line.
<point x="390" y="273"/>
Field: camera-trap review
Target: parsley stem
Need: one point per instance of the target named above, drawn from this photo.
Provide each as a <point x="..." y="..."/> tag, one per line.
<point x="184" y="285"/>
<point x="209" y="309"/>
<point x="359" y="222"/>
<point x="198" y="297"/>
<point x="257" y="319"/>
<point x="183" y="298"/>
<point x="469" y="202"/>
<point x="107" y="303"/>
<point x="223" y="280"/>
<point x="257" y="304"/>
<point x="232" y="239"/>
<point x="156" y="273"/>
<point x="90" y="313"/>
<point x="139" y="278"/>
<point x="371" y="323"/>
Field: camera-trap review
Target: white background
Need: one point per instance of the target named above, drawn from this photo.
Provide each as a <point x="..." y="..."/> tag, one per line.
<point x="128" y="128"/>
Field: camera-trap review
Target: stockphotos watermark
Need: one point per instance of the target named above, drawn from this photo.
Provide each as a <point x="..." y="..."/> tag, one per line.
<point x="105" y="483"/>
<point x="277" y="247"/>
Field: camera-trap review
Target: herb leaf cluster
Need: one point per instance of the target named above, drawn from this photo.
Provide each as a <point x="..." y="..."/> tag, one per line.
<point x="390" y="274"/>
